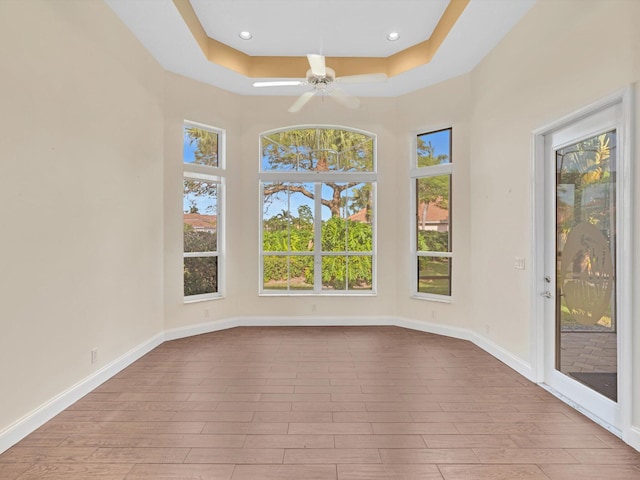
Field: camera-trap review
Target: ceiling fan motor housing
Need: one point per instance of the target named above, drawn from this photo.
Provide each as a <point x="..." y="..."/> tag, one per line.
<point x="320" y="82"/>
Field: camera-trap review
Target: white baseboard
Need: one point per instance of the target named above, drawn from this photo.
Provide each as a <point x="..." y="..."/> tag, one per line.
<point x="32" y="421"/>
<point x="189" y="331"/>
<point x="632" y="437"/>
<point x="45" y="412"/>
<point x="314" y="321"/>
<point x="497" y="351"/>
<point x="523" y="368"/>
<point x="200" y="329"/>
<point x="519" y="365"/>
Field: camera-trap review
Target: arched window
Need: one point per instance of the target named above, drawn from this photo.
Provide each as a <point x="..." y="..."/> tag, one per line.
<point x="318" y="211"/>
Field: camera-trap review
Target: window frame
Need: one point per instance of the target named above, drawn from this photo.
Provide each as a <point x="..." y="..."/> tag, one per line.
<point x="215" y="175"/>
<point x="317" y="179"/>
<point x="416" y="173"/>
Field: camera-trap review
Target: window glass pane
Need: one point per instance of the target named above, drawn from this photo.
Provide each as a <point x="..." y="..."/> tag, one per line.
<point x="317" y="150"/>
<point x="200" y="217"/>
<point x="360" y="272"/>
<point x="347" y="217"/>
<point x="287" y="217"/>
<point x="432" y="217"/>
<point x="347" y="272"/>
<point x="200" y="146"/>
<point x="586" y="286"/>
<point x="334" y="231"/>
<point x="275" y="272"/>
<point x="434" y="148"/>
<point x="301" y="272"/>
<point x="334" y="272"/>
<point x="287" y="272"/>
<point x="200" y="275"/>
<point x="586" y="235"/>
<point x="359" y="222"/>
<point x="434" y="275"/>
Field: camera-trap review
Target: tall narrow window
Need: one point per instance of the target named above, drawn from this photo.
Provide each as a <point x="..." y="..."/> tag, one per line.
<point x="318" y="190"/>
<point x="201" y="204"/>
<point x="431" y="177"/>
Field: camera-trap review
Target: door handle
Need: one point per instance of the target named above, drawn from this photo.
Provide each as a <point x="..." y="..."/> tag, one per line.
<point x="546" y="294"/>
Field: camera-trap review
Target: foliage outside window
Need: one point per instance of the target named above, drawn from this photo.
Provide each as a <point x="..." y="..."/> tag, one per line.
<point x="318" y="187"/>
<point x="431" y="177"/>
<point x="201" y="201"/>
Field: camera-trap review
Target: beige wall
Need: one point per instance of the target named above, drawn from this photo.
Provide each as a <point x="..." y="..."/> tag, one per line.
<point x="194" y="101"/>
<point x="244" y="118"/>
<point x="562" y="56"/>
<point x="90" y="184"/>
<point x="375" y="115"/>
<point x="80" y="197"/>
<point x="444" y="105"/>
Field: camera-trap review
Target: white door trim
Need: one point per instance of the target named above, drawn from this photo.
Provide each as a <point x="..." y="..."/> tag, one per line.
<point x="623" y="97"/>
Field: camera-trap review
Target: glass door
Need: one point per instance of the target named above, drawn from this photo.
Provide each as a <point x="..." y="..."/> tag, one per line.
<point x="581" y="210"/>
<point x="585" y="300"/>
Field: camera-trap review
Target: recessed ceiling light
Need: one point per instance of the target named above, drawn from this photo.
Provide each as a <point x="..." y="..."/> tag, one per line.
<point x="393" y="36"/>
<point x="245" y="35"/>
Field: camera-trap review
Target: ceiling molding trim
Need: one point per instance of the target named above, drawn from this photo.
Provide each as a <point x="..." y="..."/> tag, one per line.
<point x="422" y="53"/>
<point x="291" y="67"/>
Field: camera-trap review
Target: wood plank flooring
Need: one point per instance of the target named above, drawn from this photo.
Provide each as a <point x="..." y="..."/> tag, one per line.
<point x="312" y="403"/>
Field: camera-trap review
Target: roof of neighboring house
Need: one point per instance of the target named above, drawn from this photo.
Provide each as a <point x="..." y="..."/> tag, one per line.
<point x="199" y="221"/>
<point x="435" y="213"/>
<point x="360" y="216"/>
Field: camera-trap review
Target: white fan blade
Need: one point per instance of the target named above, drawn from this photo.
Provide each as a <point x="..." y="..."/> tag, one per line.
<point x="300" y="102"/>
<point x="344" y="98"/>
<point x="317" y="64"/>
<point x="279" y="83"/>
<point x="364" y="78"/>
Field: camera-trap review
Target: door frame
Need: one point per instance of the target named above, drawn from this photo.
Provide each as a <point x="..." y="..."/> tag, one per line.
<point x="624" y="260"/>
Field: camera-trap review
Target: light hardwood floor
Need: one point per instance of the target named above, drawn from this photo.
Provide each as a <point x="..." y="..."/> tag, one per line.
<point x="311" y="403"/>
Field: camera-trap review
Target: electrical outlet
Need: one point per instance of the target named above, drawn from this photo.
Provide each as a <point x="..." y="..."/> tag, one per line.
<point x="94" y="355"/>
<point x="519" y="263"/>
<point x="206" y="313"/>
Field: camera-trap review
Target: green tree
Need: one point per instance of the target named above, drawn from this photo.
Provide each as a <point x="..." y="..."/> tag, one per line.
<point x="316" y="150"/>
<point x="206" y="142"/>
<point x="206" y="153"/>
<point x="582" y="165"/>
<point x="200" y="273"/>
<point x="198" y="241"/>
<point x="350" y="271"/>
<point x="432" y="189"/>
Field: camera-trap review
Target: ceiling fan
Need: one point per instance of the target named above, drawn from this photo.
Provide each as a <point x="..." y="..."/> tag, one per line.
<point x="323" y="80"/>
